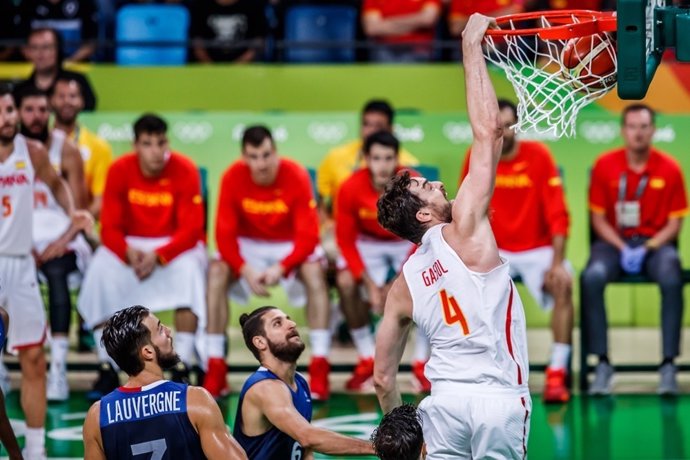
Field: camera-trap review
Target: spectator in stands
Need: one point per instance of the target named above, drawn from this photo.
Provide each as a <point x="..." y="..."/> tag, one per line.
<point x="43" y="49"/>
<point x="59" y="248"/>
<point x="370" y="254"/>
<point x="340" y="162"/>
<point x="637" y="202"/>
<point x="67" y="102"/>
<point x="529" y="217"/>
<point x="403" y="30"/>
<point x="461" y="10"/>
<point x="228" y="30"/>
<point x="152" y="223"/>
<point x="267" y="232"/>
<point x="10" y="30"/>
<point x="74" y="20"/>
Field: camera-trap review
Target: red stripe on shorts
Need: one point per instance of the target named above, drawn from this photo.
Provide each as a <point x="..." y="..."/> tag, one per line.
<point x="524" y="428"/>
<point x="509" y="338"/>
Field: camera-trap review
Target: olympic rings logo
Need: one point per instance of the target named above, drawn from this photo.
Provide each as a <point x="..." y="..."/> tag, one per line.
<point x="327" y="133"/>
<point x="112" y="133"/>
<point x="413" y="133"/>
<point x="191" y="132"/>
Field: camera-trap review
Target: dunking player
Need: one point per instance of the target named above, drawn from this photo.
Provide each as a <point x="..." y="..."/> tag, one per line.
<point x="459" y="291"/>
<point x="274" y="410"/>
<point x="22" y="160"/>
<point x="60" y="250"/>
<point x="148" y="414"/>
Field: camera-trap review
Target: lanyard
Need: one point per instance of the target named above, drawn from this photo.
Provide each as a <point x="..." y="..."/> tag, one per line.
<point x="623" y="185"/>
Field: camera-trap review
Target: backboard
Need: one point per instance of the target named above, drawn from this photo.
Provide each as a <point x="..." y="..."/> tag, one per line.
<point x="645" y="29"/>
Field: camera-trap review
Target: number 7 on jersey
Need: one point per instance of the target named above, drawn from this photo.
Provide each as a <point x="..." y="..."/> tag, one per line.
<point x="452" y="313"/>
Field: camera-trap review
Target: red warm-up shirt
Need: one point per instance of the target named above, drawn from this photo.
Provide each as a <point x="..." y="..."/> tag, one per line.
<point x="282" y="211"/>
<point x="167" y="205"/>
<point x="357" y="214"/>
<point x="663" y="198"/>
<point x="528" y="205"/>
<point x="463" y="9"/>
<point x="388" y="9"/>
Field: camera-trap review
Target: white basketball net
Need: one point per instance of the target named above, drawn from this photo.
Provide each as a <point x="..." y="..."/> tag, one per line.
<point x="550" y="95"/>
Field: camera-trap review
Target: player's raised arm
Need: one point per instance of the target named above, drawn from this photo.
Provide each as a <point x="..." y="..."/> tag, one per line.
<point x="474" y="195"/>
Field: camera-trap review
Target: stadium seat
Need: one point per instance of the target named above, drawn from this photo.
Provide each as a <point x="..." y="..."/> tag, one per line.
<point x="157" y="33"/>
<point x="310" y="29"/>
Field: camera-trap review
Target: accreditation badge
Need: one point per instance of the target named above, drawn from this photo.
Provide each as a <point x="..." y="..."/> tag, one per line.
<point x="628" y="214"/>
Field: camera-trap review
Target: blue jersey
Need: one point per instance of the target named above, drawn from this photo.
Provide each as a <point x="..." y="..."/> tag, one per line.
<point x="273" y="444"/>
<point x="150" y="422"/>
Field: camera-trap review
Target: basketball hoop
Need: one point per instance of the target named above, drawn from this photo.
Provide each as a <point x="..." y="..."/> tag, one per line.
<point x="556" y="68"/>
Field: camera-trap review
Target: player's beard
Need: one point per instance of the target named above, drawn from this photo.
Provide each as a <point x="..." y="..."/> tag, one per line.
<point x="166" y="360"/>
<point x="41" y="137"/>
<point x="67" y="121"/>
<point x="7" y="140"/>
<point x="288" y="352"/>
<point x="445" y="211"/>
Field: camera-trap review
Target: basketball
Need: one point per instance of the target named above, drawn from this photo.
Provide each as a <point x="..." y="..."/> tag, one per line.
<point x="590" y="62"/>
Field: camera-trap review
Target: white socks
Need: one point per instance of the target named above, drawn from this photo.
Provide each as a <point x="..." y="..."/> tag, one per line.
<point x="364" y="341"/>
<point x="215" y="346"/>
<point x="184" y="346"/>
<point x="320" y="340"/>
<point x="34" y="445"/>
<point x="59" y="346"/>
<point x="560" y="353"/>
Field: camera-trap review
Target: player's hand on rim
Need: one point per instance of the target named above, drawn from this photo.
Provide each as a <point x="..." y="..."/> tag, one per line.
<point x="476" y="27"/>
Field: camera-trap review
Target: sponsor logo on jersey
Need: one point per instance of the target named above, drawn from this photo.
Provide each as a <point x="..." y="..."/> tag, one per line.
<point x="251" y="206"/>
<point x="521" y="180"/>
<point x="151" y="199"/>
<point x="14" y="179"/>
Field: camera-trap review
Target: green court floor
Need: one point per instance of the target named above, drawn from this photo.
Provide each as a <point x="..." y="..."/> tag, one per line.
<point x="644" y="427"/>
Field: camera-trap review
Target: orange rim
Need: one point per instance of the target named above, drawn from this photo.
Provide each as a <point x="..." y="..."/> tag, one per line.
<point x="564" y="25"/>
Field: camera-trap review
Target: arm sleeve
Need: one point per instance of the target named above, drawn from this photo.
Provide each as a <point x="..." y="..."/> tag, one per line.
<point x="346" y="231"/>
<point x="554" y="199"/>
<point x="189" y="215"/>
<point x="113" y="212"/>
<point x="305" y="221"/>
<point x="597" y="190"/>
<point x="226" y="224"/>
<point x="371" y="7"/>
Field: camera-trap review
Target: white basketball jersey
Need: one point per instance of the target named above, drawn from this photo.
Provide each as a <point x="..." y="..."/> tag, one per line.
<point x="50" y="220"/>
<point x="474" y="321"/>
<point x="16" y="193"/>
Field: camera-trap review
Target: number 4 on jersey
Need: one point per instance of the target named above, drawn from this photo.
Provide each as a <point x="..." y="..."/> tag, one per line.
<point x="452" y="313"/>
